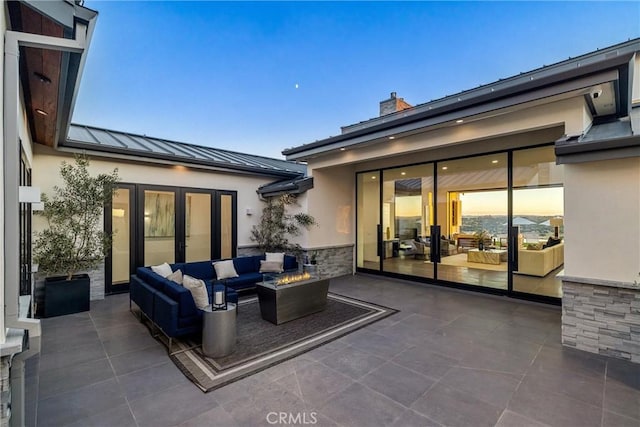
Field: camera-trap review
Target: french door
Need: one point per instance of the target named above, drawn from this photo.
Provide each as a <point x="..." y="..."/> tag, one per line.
<point x="157" y="224"/>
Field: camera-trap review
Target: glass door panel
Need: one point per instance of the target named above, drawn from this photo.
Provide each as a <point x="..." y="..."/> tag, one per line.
<point x="370" y="229"/>
<point x="121" y="241"/>
<point x="226" y="226"/>
<point x="538" y="210"/>
<point x="472" y="211"/>
<point x="407" y="214"/>
<point x="197" y="227"/>
<point x="159" y="227"/>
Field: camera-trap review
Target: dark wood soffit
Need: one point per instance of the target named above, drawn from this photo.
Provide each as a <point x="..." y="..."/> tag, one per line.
<point x="40" y="95"/>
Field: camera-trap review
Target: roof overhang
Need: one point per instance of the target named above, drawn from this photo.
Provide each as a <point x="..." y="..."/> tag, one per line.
<point x="615" y="139"/>
<point x="50" y="77"/>
<point x="293" y="186"/>
<point x="612" y="67"/>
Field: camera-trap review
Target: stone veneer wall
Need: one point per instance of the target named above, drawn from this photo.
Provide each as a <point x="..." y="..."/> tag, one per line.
<point x="602" y="319"/>
<point x="332" y="261"/>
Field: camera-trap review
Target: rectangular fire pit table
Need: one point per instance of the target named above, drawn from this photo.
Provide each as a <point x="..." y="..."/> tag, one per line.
<point x="282" y="303"/>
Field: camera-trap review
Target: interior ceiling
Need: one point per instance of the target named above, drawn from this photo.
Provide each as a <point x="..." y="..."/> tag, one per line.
<point x="40" y="71"/>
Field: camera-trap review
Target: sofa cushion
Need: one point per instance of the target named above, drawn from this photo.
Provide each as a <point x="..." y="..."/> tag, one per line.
<point x="290" y="263"/>
<point x="176" y="276"/>
<point x="163" y="269"/>
<point x="200" y="270"/>
<point x="245" y="264"/>
<point x="198" y="290"/>
<point x="270" y="267"/>
<point x="182" y="296"/>
<point x="247" y="280"/>
<point x="225" y="269"/>
<point x="151" y="278"/>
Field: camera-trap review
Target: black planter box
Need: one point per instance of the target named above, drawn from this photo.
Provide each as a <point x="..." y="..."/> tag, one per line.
<point x="62" y="296"/>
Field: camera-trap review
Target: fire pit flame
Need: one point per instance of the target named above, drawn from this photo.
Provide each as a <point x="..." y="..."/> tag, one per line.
<point x="292" y="278"/>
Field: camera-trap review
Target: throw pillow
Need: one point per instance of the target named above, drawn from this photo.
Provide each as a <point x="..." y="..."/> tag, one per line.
<point x="198" y="291"/>
<point x="270" y="267"/>
<point x="176" y="276"/>
<point x="163" y="270"/>
<point x="274" y="257"/>
<point x="225" y="269"/>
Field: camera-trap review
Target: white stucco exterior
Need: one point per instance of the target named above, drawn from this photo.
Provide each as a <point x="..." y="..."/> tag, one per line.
<point x="602" y="220"/>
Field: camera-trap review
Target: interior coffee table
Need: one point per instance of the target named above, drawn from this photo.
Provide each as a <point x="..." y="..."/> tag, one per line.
<point x="219" y="331"/>
<point x="280" y="303"/>
<point x="491" y="256"/>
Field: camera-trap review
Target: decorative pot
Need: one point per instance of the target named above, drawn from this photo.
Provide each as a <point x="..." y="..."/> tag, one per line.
<point x="62" y="296"/>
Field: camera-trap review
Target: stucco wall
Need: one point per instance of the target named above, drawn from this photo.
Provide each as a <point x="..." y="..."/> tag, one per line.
<point x="47" y="166"/>
<point x="331" y="202"/>
<point x="602" y="220"/>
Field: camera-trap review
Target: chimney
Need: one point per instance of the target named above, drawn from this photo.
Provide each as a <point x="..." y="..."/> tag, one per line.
<point x="393" y="105"/>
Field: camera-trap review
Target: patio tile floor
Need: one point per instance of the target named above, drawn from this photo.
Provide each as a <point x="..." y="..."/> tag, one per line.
<point x="447" y="358"/>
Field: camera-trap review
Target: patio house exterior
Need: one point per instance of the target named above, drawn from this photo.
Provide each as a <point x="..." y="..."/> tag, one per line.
<point x="209" y="198"/>
<point x="546" y="164"/>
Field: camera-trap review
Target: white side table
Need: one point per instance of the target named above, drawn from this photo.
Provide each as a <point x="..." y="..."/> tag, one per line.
<point x="219" y="331"/>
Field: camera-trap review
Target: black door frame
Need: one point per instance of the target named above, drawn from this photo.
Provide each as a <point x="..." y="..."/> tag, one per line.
<point x="136" y="224"/>
<point x="512" y="257"/>
<point x="110" y="288"/>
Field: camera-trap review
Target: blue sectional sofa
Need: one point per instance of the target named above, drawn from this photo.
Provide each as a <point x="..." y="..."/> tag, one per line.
<point x="170" y="306"/>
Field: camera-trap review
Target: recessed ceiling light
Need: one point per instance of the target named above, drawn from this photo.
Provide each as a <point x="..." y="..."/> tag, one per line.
<point x="403" y="173"/>
<point x="42" y="77"/>
<point x="494" y="161"/>
<point x="444" y="168"/>
<point x="39" y="111"/>
<point x="459" y="121"/>
<point x="392" y="137"/>
<point x="342" y="149"/>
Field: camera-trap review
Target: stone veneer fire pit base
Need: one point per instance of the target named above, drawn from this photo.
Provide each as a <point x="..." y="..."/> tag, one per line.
<point x="601" y="317"/>
<point x="282" y="303"/>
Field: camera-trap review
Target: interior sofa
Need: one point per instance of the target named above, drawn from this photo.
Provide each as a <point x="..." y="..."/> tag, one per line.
<point x="540" y="262"/>
<point x="170" y="306"/>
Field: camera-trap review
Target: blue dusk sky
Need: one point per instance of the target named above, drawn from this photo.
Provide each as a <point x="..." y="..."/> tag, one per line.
<point x="261" y="77"/>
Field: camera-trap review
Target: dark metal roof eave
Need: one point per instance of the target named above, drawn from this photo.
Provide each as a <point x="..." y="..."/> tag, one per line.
<point x="135" y="154"/>
<point x="627" y="145"/>
<point x="452" y="103"/>
<point x="294" y="186"/>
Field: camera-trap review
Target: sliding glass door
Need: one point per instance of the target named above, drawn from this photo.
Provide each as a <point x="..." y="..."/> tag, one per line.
<point x="538" y="214"/>
<point x="371" y="243"/>
<point x="472" y="213"/>
<point x="407" y="214"/>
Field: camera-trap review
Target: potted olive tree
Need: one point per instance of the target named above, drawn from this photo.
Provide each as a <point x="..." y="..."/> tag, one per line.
<point x="277" y="225"/>
<point x="75" y="241"/>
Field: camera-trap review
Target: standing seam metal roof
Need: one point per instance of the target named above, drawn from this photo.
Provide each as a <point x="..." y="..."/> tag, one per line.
<point x="99" y="139"/>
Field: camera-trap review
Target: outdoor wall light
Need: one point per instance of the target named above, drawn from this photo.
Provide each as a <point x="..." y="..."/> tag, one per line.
<point x="444" y="168"/>
<point x="494" y="161"/>
<point x="28" y="194"/>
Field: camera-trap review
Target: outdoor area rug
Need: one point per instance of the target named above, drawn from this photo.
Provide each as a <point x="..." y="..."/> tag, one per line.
<point x="261" y="344"/>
